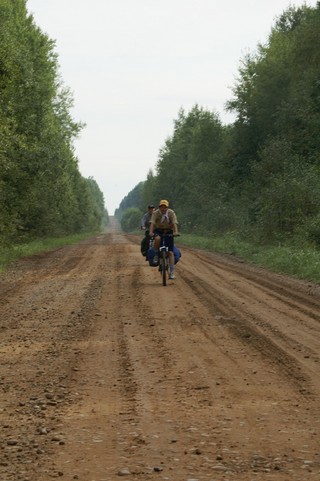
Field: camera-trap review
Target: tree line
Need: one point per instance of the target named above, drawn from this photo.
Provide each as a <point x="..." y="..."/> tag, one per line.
<point x="259" y="176"/>
<point x="42" y="192"/>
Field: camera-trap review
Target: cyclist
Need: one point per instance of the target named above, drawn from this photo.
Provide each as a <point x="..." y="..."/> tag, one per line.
<point x="145" y="221"/>
<point x="164" y="221"/>
<point x="144" y="225"/>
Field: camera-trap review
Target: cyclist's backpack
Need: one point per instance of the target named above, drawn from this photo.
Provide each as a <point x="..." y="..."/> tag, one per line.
<point x="150" y="255"/>
<point x="145" y="245"/>
<point x="177" y="254"/>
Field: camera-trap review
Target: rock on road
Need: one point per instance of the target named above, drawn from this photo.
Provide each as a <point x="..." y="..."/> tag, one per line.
<point x="106" y="374"/>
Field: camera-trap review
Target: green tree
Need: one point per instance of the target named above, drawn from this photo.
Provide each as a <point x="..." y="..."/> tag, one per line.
<point x="130" y="219"/>
<point x="133" y="199"/>
<point x="276" y="99"/>
<point x="190" y="167"/>
<point x="40" y="184"/>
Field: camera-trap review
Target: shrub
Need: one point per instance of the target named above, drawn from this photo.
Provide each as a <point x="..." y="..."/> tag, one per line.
<point x="130" y="219"/>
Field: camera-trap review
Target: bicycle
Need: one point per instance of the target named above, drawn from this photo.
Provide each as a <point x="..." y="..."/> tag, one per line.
<point x="164" y="266"/>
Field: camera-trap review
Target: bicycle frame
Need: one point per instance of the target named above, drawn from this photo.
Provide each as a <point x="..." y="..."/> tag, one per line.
<point x="163" y="255"/>
<point x="164" y="258"/>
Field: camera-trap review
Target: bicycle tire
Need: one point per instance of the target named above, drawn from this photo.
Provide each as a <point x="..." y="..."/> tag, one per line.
<point x="163" y="268"/>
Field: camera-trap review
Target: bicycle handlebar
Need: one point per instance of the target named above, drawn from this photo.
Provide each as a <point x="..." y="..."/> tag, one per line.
<point x="165" y="235"/>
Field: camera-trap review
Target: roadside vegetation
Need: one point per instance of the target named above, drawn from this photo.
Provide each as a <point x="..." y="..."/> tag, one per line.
<point x="303" y="263"/>
<point x="252" y="187"/>
<point x="42" y="192"/>
<point x="9" y="254"/>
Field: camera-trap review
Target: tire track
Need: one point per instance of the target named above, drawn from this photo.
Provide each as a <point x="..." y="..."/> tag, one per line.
<point x="305" y="297"/>
<point x="240" y="323"/>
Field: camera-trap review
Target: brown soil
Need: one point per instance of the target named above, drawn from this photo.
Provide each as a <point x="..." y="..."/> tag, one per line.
<point x="105" y="373"/>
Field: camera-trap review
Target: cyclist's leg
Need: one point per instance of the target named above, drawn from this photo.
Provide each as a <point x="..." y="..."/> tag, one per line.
<point x="157" y="239"/>
<point x="163" y="261"/>
<point x="156" y="243"/>
<point x="170" y="244"/>
<point x="156" y="246"/>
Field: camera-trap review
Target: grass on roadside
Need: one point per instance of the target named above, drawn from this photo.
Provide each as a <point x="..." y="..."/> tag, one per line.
<point x="11" y="253"/>
<point x="303" y="263"/>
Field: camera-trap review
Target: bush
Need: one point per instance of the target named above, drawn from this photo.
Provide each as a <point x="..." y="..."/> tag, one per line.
<point x="311" y="230"/>
<point x="130" y="219"/>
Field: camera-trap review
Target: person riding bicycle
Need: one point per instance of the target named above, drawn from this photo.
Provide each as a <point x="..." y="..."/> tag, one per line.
<point x="145" y="221"/>
<point x="164" y="221"/>
<point x="144" y="225"/>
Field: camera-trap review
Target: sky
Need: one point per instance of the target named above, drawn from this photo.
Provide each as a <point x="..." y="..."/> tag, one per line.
<point x="131" y="65"/>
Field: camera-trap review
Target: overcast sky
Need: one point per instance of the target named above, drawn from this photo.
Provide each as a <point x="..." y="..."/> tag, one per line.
<point x="132" y="64"/>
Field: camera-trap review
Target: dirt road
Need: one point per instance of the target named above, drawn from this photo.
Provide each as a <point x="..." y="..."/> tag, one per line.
<point x="106" y="374"/>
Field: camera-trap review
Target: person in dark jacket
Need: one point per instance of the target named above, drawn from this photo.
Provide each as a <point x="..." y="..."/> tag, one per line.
<point x="144" y="225"/>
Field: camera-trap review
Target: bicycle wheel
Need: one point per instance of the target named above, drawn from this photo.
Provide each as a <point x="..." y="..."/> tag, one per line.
<point x="163" y="268"/>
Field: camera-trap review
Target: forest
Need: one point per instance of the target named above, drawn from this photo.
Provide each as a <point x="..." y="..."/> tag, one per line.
<point x="260" y="176"/>
<point x="42" y="192"/>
